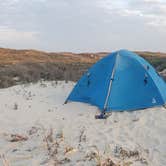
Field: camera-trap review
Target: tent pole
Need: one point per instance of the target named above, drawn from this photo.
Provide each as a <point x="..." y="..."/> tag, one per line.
<point x="110" y="84"/>
<point x="103" y="114"/>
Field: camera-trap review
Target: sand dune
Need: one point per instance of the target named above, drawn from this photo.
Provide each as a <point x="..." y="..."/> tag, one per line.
<point x="37" y="129"/>
<point x="13" y="56"/>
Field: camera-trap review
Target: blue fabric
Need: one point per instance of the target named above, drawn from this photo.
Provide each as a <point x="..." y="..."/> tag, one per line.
<point x="135" y="84"/>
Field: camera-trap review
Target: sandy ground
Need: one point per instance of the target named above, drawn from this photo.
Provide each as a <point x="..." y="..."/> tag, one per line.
<point x="37" y="129"/>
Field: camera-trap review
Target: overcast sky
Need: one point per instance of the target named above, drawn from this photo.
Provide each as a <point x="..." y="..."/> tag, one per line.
<point x="83" y="25"/>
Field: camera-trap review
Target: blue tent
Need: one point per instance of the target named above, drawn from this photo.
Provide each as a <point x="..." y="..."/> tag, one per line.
<point x="120" y="81"/>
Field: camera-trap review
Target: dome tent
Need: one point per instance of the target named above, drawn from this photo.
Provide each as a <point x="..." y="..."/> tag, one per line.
<point x="120" y="81"/>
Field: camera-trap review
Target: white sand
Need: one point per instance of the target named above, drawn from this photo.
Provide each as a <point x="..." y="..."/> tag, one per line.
<point x="36" y="110"/>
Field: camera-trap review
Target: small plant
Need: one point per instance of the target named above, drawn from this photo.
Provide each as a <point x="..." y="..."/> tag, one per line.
<point x="5" y="161"/>
<point x="109" y="162"/>
<point x="15" y="137"/>
<point x="68" y="150"/>
<point x="15" y="106"/>
<point x="33" y="130"/>
<point x="100" y="161"/>
<point x="52" y="146"/>
<point x="82" y="137"/>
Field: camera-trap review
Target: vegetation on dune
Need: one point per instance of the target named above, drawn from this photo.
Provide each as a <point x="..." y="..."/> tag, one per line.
<point x="32" y="72"/>
<point x="158" y="63"/>
<point x="24" y="66"/>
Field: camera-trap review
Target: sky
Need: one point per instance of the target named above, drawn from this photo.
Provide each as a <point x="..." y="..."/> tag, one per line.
<point x="83" y="25"/>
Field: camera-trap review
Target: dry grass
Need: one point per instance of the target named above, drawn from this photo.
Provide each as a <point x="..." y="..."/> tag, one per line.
<point x="100" y="160"/>
<point x="32" y="72"/>
<point x="11" y="56"/>
<point x="53" y="146"/>
<point x="128" y="156"/>
<point x="15" y="137"/>
<point x="24" y="66"/>
<point x="4" y="159"/>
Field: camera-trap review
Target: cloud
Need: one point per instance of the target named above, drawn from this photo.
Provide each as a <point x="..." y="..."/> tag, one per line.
<point x="75" y="25"/>
<point x="152" y="12"/>
<point x="17" y="38"/>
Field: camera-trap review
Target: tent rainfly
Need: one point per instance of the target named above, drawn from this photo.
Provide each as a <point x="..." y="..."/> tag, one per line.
<point x="120" y="81"/>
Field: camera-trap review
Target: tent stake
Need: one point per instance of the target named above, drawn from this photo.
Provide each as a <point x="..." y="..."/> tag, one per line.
<point x="103" y="115"/>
